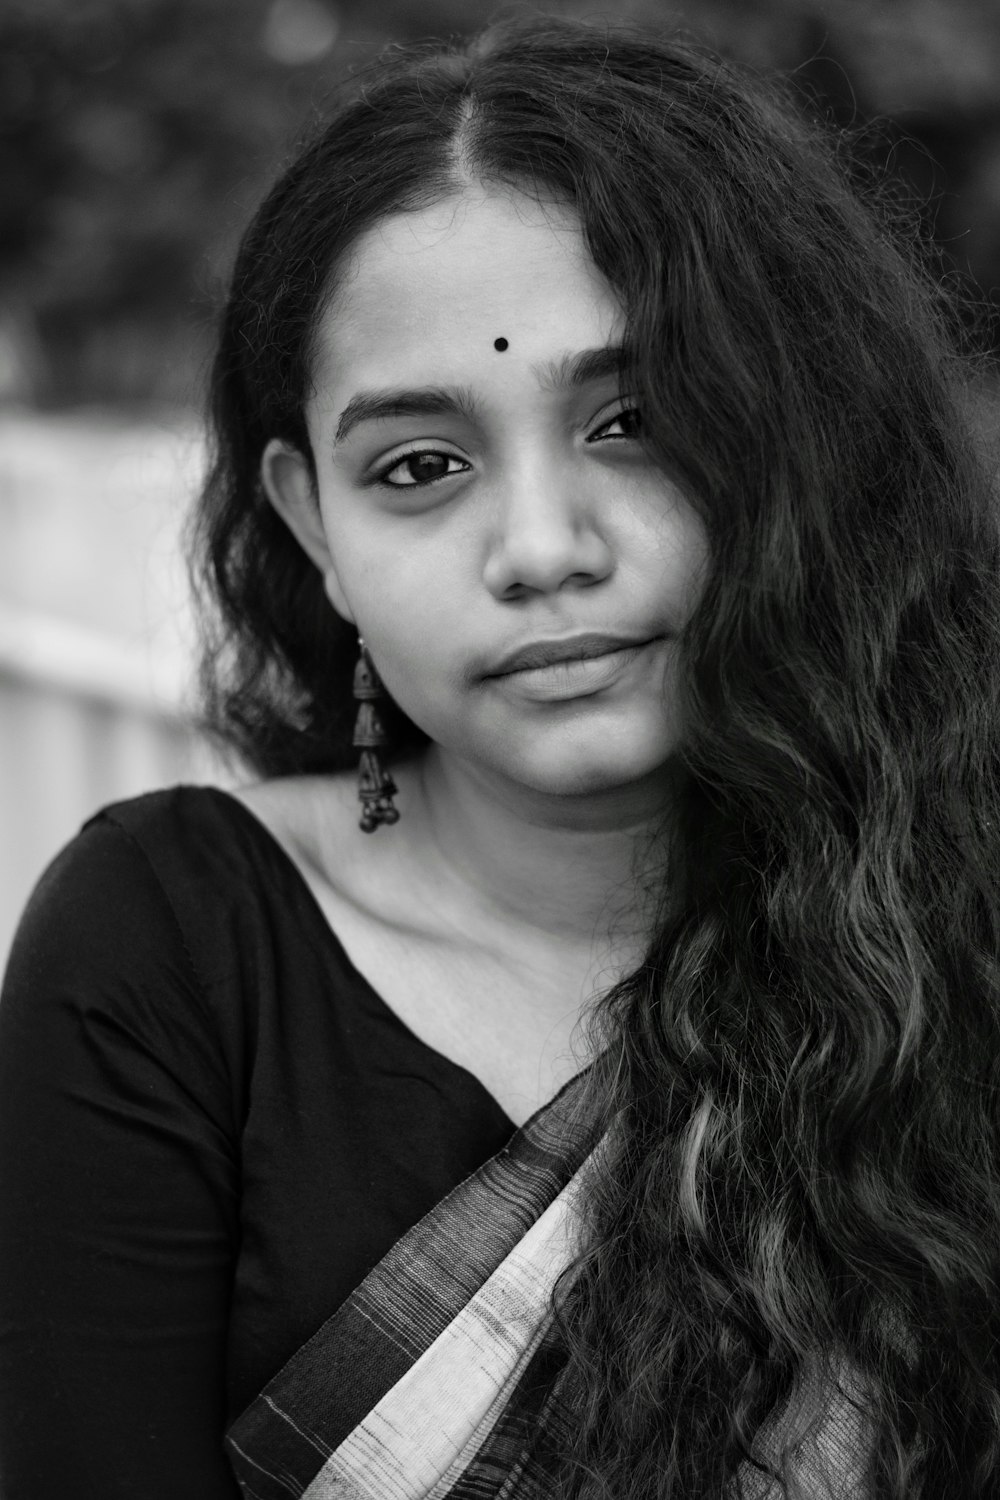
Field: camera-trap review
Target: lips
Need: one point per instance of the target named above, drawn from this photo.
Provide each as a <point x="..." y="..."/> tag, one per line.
<point x="537" y="654"/>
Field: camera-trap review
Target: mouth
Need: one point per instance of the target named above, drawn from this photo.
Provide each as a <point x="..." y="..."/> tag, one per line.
<point x="540" y="654"/>
<point x="572" y="669"/>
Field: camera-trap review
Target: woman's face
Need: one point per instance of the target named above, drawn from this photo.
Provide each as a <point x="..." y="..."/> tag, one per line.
<point x="481" y="494"/>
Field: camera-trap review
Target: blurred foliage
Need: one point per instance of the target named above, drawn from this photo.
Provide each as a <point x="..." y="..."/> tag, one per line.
<point x="137" y="135"/>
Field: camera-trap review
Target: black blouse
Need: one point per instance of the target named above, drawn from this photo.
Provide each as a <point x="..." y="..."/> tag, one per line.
<point x="211" y="1128"/>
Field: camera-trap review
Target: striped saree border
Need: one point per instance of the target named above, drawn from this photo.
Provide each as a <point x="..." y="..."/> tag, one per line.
<point x="423" y="1435"/>
<point x="521" y="1456"/>
<point x="282" y="1440"/>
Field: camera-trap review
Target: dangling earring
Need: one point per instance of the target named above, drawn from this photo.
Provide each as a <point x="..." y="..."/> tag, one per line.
<point x="376" y="787"/>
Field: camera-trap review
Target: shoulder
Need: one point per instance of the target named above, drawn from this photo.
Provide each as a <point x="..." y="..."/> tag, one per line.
<point x="107" y="975"/>
<point x="181" y="821"/>
<point x="143" y="890"/>
<point x="115" y="1046"/>
<point x="105" y="866"/>
<point x="104" y="884"/>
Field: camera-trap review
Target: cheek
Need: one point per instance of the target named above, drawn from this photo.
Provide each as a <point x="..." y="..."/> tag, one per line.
<point x="401" y="593"/>
<point x="684" y="555"/>
<point x="412" y="641"/>
<point x="696" y="568"/>
<point x="652" y="523"/>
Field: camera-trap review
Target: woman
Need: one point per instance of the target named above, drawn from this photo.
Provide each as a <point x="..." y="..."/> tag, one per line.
<point x="593" y="471"/>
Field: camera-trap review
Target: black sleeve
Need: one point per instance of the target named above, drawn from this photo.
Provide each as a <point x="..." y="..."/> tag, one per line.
<point x="118" y="1194"/>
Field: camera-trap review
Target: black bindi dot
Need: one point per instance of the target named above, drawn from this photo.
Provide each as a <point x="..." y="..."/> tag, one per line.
<point x="500" y="344"/>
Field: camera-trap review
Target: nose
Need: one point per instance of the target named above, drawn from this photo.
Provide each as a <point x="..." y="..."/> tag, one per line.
<point x="546" y="537"/>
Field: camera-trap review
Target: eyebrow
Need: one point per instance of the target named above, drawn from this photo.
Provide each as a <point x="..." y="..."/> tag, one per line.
<point x="571" y="371"/>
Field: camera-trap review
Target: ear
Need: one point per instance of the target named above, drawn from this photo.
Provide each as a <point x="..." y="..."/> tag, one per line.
<point x="288" y="484"/>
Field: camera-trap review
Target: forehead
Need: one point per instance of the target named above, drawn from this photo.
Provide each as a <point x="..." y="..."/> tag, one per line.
<point x="424" y="294"/>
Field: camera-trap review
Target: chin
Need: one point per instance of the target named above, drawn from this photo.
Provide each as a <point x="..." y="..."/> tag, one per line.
<point x="603" y="771"/>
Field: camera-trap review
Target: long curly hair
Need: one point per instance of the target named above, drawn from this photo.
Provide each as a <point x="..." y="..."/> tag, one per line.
<point x="799" y="1203"/>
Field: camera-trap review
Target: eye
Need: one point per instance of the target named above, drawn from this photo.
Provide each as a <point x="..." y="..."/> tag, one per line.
<point x="420" y="468"/>
<point x="629" y="420"/>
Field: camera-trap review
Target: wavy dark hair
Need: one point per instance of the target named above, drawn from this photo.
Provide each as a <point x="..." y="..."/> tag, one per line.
<point x="800" y="1201"/>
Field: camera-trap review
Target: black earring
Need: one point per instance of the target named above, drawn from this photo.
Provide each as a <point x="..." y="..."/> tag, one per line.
<point x="376" y="787"/>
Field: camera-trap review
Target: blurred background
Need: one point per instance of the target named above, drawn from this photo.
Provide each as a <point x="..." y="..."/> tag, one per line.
<point x="135" y="138"/>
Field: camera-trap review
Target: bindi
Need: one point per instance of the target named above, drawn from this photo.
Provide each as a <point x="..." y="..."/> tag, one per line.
<point x="500" y="345"/>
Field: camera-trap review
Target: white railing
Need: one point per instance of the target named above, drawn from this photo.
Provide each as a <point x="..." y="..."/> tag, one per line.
<point x="96" y="634"/>
<point x="85" y="719"/>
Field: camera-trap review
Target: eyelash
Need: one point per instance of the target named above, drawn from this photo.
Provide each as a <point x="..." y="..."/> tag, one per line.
<point x="381" y="476"/>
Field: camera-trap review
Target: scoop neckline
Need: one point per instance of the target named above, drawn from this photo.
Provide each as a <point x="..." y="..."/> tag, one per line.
<point x="331" y="939"/>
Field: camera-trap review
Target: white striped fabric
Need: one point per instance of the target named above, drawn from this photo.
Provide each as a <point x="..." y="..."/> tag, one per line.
<point x="423" y="1433"/>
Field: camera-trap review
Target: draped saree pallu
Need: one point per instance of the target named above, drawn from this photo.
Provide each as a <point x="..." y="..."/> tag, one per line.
<point x="441" y="1374"/>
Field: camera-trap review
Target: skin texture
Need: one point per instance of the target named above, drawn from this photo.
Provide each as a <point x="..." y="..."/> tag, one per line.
<point x="510" y="892"/>
<point x="547" y="520"/>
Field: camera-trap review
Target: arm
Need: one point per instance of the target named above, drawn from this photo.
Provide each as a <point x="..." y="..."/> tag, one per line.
<point x="118" y="1194"/>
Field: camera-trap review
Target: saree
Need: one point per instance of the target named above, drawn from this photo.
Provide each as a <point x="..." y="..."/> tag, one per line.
<point x="443" y="1375"/>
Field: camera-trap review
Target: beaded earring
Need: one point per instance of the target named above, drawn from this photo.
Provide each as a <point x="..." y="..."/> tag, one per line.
<point x="376" y="787"/>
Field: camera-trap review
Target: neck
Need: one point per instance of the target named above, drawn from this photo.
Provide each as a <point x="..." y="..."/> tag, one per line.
<point x="573" y="869"/>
